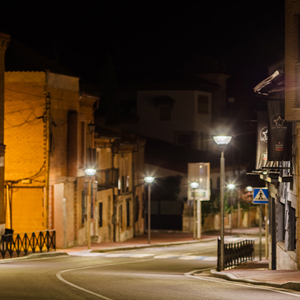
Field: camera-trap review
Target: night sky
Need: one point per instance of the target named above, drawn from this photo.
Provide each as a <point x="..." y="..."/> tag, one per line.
<point x="150" y="36"/>
<point x="153" y="41"/>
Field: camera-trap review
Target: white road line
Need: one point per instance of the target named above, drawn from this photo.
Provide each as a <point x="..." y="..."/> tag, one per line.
<point x="210" y="258"/>
<point x="190" y="257"/>
<point x="272" y="289"/>
<point x="163" y="256"/>
<point x="59" y="276"/>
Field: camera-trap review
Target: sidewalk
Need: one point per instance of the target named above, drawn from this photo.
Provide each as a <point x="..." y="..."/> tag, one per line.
<point x="159" y="238"/>
<point x="257" y="272"/>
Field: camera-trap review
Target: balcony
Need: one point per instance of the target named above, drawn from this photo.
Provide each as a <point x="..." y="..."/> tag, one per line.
<point x="107" y="178"/>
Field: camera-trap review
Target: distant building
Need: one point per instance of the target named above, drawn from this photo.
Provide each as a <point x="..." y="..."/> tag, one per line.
<point x="120" y="181"/>
<point x="185" y="113"/>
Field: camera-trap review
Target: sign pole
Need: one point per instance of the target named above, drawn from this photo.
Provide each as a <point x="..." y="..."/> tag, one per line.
<point x="194" y="214"/>
<point x="198" y="219"/>
<point x="260" y="196"/>
<point x="260" y="222"/>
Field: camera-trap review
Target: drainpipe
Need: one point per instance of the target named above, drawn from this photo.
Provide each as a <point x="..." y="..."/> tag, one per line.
<point x="4" y="41"/>
<point x="47" y="173"/>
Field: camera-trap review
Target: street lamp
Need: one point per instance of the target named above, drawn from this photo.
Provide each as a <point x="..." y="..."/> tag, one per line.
<point x="222" y="141"/>
<point x="149" y="180"/>
<point x="194" y="185"/>
<point x="90" y="172"/>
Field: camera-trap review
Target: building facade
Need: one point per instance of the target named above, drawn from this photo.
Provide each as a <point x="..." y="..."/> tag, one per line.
<point x="292" y="103"/>
<point x="46" y="137"/>
<point x="120" y="195"/>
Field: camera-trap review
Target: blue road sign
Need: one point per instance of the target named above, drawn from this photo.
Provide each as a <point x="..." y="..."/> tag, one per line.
<point x="260" y="195"/>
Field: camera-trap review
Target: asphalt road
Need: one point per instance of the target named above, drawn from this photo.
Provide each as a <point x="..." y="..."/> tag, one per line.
<point x="174" y="272"/>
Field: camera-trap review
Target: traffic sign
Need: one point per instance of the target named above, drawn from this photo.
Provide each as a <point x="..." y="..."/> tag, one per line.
<point x="260" y="195"/>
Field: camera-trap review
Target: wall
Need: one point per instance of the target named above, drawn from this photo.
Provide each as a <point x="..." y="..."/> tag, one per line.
<point x="25" y="149"/>
<point x="182" y="114"/>
<point x="285" y="260"/>
<point x="212" y="221"/>
<point x="292" y="105"/>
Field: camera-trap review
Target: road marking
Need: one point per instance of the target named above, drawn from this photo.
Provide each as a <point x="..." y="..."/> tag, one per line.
<point x="143" y="255"/>
<point x="163" y="256"/>
<point x="59" y="276"/>
<point x="248" y="284"/>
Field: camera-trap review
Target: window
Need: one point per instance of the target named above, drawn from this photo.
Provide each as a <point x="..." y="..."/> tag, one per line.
<point x="184" y="139"/>
<point x="127" y="183"/>
<point x="203" y="104"/>
<point x="83" y="212"/>
<point x="82" y="144"/>
<point x="165" y="113"/>
<point x="119" y="186"/>
<point x="100" y="214"/>
<point x="128" y="212"/>
<point x="122" y="187"/>
<point x="137" y="208"/>
<point x="121" y="216"/>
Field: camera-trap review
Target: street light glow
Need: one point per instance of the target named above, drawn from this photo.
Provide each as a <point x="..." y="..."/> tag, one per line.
<point x="222" y="140"/>
<point x="249" y="189"/>
<point x="149" y="179"/>
<point x="231" y="186"/>
<point x="194" y="185"/>
<point x="90" y="172"/>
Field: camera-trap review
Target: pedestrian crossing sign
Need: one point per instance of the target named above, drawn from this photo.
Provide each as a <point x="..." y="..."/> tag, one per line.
<point x="260" y="195"/>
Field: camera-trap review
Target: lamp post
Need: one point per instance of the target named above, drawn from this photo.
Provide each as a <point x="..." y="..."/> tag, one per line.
<point x="90" y="173"/>
<point x="222" y="141"/>
<point x="231" y="187"/>
<point x="194" y="185"/>
<point x="149" y="180"/>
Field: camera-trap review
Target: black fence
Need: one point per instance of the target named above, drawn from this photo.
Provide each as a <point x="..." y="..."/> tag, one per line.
<point x="16" y="245"/>
<point x="236" y="253"/>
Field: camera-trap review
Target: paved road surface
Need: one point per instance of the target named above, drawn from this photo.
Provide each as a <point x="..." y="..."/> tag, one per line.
<point x="174" y="272"/>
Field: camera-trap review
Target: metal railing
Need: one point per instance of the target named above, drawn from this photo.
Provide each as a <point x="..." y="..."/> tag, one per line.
<point x="21" y="244"/>
<point x="236" y="253"/>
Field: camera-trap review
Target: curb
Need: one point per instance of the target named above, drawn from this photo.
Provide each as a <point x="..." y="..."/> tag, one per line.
<point x="34" y="256"/>
<point x="291" y="285"/>
<point x="143" y="246"/>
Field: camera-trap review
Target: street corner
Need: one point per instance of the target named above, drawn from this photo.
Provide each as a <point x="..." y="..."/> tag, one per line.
<point x="34" y="256"/>
<point x="232" y="277"/>
<point x="221" y="274"/>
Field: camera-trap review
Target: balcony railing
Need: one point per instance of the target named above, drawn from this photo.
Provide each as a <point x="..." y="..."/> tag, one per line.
<point x="107" y="178"/>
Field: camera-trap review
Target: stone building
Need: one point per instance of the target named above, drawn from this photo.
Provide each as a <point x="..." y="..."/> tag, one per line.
<point x="292" y="104"/>
<point x="47" y="139"/>
<point x="120" y="177"/>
